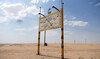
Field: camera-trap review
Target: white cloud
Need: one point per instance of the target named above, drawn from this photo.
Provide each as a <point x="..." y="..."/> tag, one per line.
<point x="52" y="33"/>
<point x="0" y="3"/>
<point x="98" y="4"/>
<point x="53" y="0"/>
<point x="2" y="20"/>
<point x="75" y="23"/>
<point x="45" y="1"/>
<point x="67" y="32"/>
<point x="34" y="10"/>
<point x="34" y="1"/>
<point x="36" y="28"/>
<point x="13" y="11"/>
<point x="20" y="29"/>
<point x="37" y="1"/>
<point x="73" y="17"/>
<point x="17" y="11"/>
<point x="27" y="29"/>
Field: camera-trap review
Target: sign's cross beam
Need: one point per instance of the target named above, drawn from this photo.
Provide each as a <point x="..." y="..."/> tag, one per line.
<point x="46" y="19"/>
<point x="49" y="22"/>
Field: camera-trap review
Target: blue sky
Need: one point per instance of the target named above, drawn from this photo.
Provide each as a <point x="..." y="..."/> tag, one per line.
<point x="19" y="21"/>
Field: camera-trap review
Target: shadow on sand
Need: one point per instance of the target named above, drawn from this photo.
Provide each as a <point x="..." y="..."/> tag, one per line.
<point x="52" y="56"/>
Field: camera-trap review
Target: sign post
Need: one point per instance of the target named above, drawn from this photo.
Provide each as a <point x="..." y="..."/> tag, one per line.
<point x="39" y="36"/>
<point x="62" y="35"/>
<point x="62" y="32"/>
<point x="45" y="44"/>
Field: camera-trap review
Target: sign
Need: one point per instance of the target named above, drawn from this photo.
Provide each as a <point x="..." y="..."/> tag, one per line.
<point x="51" y="21"/>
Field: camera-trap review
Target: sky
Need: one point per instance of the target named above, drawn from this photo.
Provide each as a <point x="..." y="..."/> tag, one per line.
<point x="19" y="21"/>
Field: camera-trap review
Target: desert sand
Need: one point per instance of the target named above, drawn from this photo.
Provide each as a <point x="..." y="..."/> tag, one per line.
<point x="52" y="51"/>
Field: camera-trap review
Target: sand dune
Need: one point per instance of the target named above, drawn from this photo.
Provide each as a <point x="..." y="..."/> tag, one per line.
<point x="52" y="51"/>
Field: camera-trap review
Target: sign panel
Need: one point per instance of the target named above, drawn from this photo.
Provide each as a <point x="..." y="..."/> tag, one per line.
<point x="51" y="21"/>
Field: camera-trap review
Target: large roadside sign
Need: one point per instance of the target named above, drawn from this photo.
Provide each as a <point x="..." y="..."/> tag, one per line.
<point x="51" y="21"/>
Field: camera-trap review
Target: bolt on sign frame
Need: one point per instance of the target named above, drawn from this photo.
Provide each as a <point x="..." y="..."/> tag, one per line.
<point x="49" y="22"/>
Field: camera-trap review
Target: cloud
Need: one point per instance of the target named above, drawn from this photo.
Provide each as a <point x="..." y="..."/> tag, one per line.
<point x="67" y="32"/>
<point x="17" y="11"/>
<point x="98" y="4"/>
<point x="73" y="17"/>
<point x="20" y="29"/>
<point x="37" y="1"/>
<point x="45" y="1"/>
<point x="52" y="33"/>
<point x="13" y="11"/>
<point x="34" y="1"/>
<point x="53" y="0"/>
<point x="27" y="29"/>
<point x="0" y="3"/>
<point x="34" y="10"/>
<point x="70" y="17"/>
<point x="75" y="23"/>
<point x="2" y="20"/>
<point x="36" y="27"/>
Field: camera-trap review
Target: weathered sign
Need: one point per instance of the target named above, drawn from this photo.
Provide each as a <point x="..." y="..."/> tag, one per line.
<point x="51" y="21"/>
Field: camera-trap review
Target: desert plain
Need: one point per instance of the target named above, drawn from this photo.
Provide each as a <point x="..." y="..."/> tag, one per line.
<point x="52" y="51"/>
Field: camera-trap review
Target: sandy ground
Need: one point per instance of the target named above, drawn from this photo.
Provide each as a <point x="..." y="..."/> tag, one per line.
<point x="52" y="51"/>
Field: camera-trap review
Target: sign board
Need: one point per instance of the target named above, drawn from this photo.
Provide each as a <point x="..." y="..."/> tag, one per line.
<point x="51" y="21"/>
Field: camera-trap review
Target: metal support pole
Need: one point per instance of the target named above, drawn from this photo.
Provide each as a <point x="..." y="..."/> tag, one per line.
<point x="39" y="43"/>
<point x="62" y="32"/>
<point x="44" y="38"/>
<point x="39" y="36"/>
<point x="45" y="44"/>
